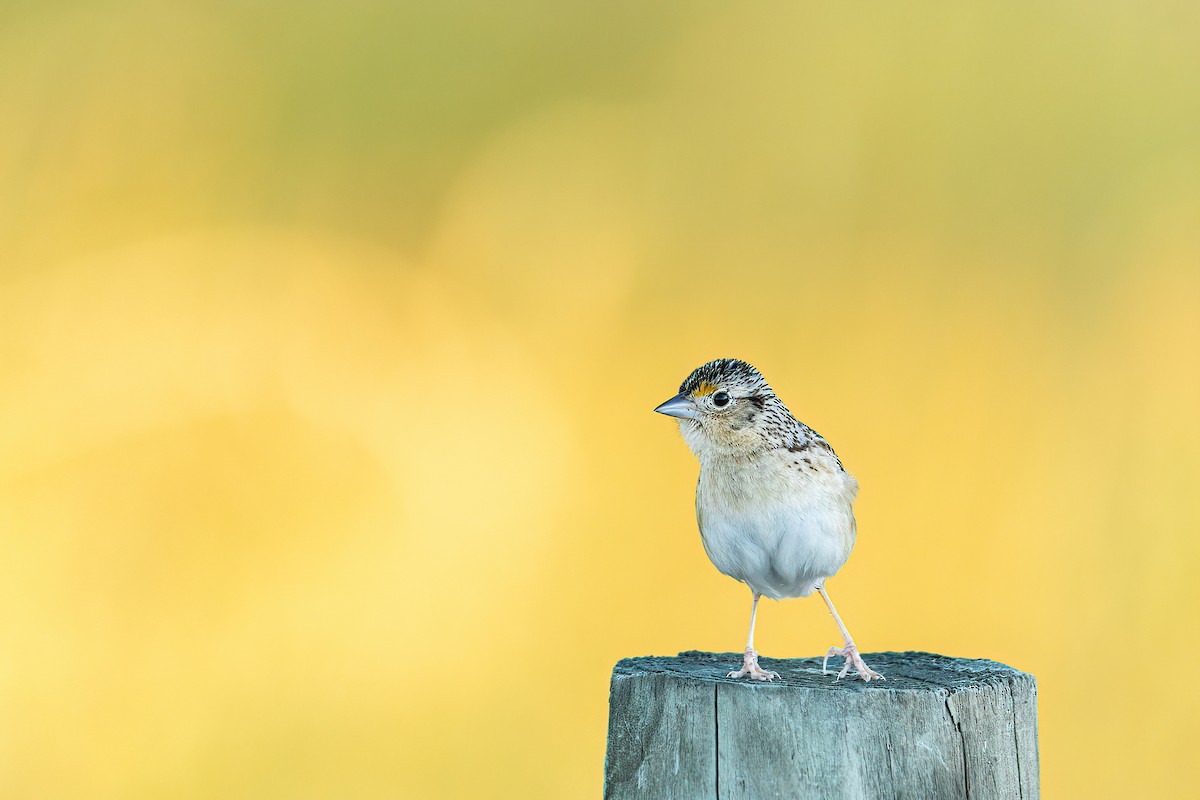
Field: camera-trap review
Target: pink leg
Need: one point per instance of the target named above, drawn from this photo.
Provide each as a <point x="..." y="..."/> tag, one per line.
<point x="750" y="666"/>
<point x="849" y="652"/>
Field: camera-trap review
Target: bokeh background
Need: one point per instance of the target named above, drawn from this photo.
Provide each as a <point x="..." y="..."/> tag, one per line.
<point x="329" y="334"/>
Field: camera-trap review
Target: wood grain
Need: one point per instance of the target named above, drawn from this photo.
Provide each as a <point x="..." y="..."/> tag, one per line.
<point x="939" y="727"/>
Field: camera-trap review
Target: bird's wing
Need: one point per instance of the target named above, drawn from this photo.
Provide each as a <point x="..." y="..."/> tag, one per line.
<point x="801" y="438"/>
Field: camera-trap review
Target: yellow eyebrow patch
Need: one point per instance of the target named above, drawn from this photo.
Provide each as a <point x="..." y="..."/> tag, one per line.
<point x="704" y="389"/>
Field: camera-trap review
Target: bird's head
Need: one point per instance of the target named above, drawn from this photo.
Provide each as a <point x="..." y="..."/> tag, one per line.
<point x="724" y="405"/>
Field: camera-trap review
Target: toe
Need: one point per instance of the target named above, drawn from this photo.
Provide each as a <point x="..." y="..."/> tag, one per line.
<point x="833" y="651"/>
<point x="866" y="673"/>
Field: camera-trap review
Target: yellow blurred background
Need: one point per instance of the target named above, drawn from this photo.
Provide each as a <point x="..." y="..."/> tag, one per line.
<point x="329" y="335"/>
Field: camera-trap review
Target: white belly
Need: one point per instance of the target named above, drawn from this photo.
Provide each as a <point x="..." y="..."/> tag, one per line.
<point x="783" y="536"/>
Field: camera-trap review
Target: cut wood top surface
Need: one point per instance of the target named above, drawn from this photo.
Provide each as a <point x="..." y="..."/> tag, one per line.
<point x="904" y="671"/>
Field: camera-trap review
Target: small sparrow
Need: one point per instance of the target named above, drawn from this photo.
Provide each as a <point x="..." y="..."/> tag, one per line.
<point x="773" y="501"/>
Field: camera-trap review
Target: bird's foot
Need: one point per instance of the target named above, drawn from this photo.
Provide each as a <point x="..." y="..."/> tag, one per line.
<point x="750" y="669"/>
<point x="853" y="659"/>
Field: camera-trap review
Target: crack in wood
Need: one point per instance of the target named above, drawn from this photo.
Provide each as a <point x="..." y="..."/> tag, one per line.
<point x="1012" y="701"/>
<point x="962" y="741"/>
<point x="717" y="739"/>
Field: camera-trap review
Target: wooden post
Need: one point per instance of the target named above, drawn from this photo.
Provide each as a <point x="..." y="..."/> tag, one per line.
<point x="938" y="727"/>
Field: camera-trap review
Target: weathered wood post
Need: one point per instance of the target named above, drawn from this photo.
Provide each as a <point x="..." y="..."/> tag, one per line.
<point x="939" y="727"/>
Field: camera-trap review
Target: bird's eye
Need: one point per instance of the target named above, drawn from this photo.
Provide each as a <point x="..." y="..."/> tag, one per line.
<point x="721" y="399"/>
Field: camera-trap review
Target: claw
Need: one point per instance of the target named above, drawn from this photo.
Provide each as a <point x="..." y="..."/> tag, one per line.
<point x="833" y="651"/>
<point x="853" y="659"/>
<point x="751" y="669"/>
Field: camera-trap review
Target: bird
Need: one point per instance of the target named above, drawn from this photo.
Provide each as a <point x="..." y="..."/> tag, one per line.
<point x="774" y="503"/>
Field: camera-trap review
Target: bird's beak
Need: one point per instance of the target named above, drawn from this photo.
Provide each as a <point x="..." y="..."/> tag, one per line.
<point x="679" y="406"/>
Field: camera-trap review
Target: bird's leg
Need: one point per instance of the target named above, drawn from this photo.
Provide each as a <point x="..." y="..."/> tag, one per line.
<point x="849" y="652"/>
<point x="750" y="666"/>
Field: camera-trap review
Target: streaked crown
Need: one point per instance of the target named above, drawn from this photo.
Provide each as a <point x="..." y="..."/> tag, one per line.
<point x="724" y="373"/>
